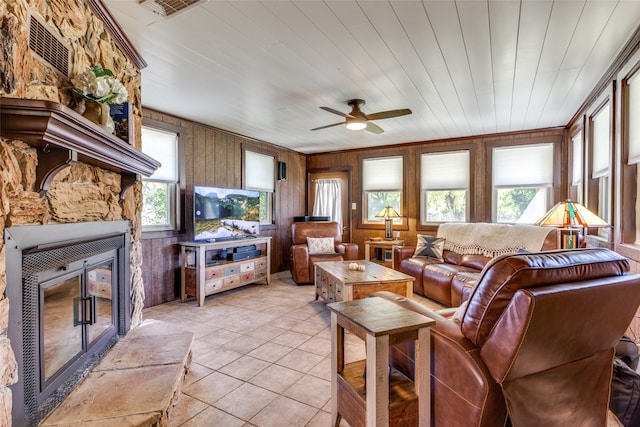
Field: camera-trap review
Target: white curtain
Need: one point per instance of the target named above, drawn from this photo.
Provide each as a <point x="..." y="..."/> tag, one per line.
<point x="328" y="200"/>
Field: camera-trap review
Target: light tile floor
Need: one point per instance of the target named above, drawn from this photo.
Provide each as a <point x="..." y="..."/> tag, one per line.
<point x="261" y="357"/>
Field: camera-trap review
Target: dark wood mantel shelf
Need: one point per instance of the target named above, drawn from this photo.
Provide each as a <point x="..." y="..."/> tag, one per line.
<point x="63" y="137"/>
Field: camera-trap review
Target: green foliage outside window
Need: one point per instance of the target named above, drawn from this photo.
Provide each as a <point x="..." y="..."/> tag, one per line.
<point x="378" y="200"/>
<point x="265" y="207"/>
<point x="447" y="205"/>
<point x="513" y="202"/>
<point x="155" y="203"/>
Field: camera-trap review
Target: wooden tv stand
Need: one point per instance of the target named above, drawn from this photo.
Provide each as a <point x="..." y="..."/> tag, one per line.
<point x="206" y="270"/>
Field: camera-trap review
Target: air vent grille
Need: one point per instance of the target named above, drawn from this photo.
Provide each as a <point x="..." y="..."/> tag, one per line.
<point x="48" y="47"/>
<point x="169" y="7"/>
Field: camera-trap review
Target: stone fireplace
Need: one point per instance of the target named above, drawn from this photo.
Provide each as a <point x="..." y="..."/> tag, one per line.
<point x="69" y="285"/>
<point x="90" y="267"/>
<point x="58" y="168"/>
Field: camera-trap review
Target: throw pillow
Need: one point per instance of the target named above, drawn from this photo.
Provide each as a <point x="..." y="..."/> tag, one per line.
<point x="429" y="246"/>
<point x="321" y="245"/>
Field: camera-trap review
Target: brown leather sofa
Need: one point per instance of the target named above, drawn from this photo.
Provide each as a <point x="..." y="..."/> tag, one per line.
<point x="302" y="261"/>
<point x="449" y="281"/>
<point x="535" y="341"/>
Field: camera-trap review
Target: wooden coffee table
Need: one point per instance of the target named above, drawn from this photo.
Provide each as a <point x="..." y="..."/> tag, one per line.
<point x="335" y="282"/>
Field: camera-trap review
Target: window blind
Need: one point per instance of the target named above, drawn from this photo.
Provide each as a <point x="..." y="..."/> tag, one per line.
<point x="601" y="146"/>
<point x="576" y="153"/>
<point x="633" y="118"/>
<point x="259" y="171"/>
<point x="528" y="165"/>
<point x="163" y="147"/>
<point x="444" y="171"/>
<point x="382" y="174"/>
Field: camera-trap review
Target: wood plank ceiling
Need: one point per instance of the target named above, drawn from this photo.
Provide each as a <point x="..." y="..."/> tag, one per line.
<point x="469" y="67"/>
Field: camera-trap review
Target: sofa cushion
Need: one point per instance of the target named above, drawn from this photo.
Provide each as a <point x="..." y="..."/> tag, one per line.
<point x="451" y="257"/>
<point x="321" y="245"/>
<point x="505" y="275"/>
<point x="430" y="247"/>
<point x="474" y="261"/>
<point x="462" y="286"/>
<point x="439" y="276"/>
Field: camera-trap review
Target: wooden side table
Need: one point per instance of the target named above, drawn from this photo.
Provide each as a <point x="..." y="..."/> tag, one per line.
<point x="366" y="392"/>
<point x="381" y="244"/>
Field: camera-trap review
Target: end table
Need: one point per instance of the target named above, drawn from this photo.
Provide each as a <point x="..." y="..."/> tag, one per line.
<point x="366" y="392"/>
<point x="383" y="245"/>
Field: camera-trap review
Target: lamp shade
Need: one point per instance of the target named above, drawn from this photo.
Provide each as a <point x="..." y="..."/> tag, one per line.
<point x="568" y="213"/>
<point x="388" y="212"/>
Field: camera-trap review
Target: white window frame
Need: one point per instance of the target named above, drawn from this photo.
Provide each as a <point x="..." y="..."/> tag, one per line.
<point x="168" y="174"/>
<point x="632" y="113"/>
<point x="631" y="88"/>
<point x="444" y="171"/>
<point x="511" y="175"/>
<point x="383" y="175"/>
<point x="259" y="173"/>
<point x="601" y="146"/>
<point x="577" y="162"/>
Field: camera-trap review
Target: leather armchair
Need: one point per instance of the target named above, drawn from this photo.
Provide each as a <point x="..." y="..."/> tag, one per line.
<point x="302" y="261"/>
<point x="535" y="342"/>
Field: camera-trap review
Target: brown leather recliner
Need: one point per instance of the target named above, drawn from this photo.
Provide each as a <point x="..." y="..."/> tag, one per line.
<point x="536" y="341"/>
<point x="302" y="261"/>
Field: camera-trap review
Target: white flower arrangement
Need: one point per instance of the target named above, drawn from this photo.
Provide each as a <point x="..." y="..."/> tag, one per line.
<point x="99" y="85"/>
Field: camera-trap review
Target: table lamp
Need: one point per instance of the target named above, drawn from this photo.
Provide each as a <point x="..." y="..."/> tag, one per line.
<point x="568" y="214"/>
<point x="388" y="213"/>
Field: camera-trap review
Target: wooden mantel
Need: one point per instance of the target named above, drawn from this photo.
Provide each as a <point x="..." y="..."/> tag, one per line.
<point x="63" y="137"/>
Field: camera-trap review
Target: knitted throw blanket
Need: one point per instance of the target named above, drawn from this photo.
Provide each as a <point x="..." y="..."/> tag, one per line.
<point x="491" y="239"/>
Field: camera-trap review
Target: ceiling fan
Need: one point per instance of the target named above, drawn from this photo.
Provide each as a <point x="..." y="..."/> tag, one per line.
<point x="357" y="120"/>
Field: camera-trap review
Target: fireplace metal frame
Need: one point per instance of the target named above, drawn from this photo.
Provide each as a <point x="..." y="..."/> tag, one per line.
<point x="30" y="241"/>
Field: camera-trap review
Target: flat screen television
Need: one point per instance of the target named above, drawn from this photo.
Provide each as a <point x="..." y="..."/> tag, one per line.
<point x="225" y="213"/>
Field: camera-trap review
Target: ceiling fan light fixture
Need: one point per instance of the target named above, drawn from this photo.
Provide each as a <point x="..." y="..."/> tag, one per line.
<point x="357" y="120"/>
<point x="356" y="124"/>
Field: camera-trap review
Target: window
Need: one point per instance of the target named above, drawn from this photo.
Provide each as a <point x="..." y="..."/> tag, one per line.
<point x="160" y="190"/>
<point x="577" y="160"/>
<point x="633" y="137"/>
<point x="259" y="174"/>
<point x="382" y="185"/>
<point x="632" y="113"/>
<point x="522" y="182"/>
<point x="444" y="187"/>
<point x="601" y="159"/>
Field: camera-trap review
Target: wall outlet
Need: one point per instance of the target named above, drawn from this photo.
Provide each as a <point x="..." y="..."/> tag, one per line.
<point x="353" y="206"/>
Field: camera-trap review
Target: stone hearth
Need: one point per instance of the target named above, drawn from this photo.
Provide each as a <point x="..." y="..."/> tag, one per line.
<point x="135" y="384"/>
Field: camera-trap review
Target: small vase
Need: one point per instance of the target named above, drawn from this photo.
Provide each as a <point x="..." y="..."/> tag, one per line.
<point x="99" y="114"/>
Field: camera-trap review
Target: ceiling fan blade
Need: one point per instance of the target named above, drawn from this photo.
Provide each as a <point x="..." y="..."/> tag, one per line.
<point x="388" y="114"/>
<point x="374" y="128"/>
<point x="328" y="126"/>
<point x="340" y="113"/>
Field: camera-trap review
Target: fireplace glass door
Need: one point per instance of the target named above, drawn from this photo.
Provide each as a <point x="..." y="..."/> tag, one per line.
<point x="77" y="311"/>
<point x="62" y="340"/>
<point x="100" y="288"/>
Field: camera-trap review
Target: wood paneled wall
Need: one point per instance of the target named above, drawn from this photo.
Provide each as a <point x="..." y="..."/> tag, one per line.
<point x="480" y="194"/>
<point x="214" y="157"/>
